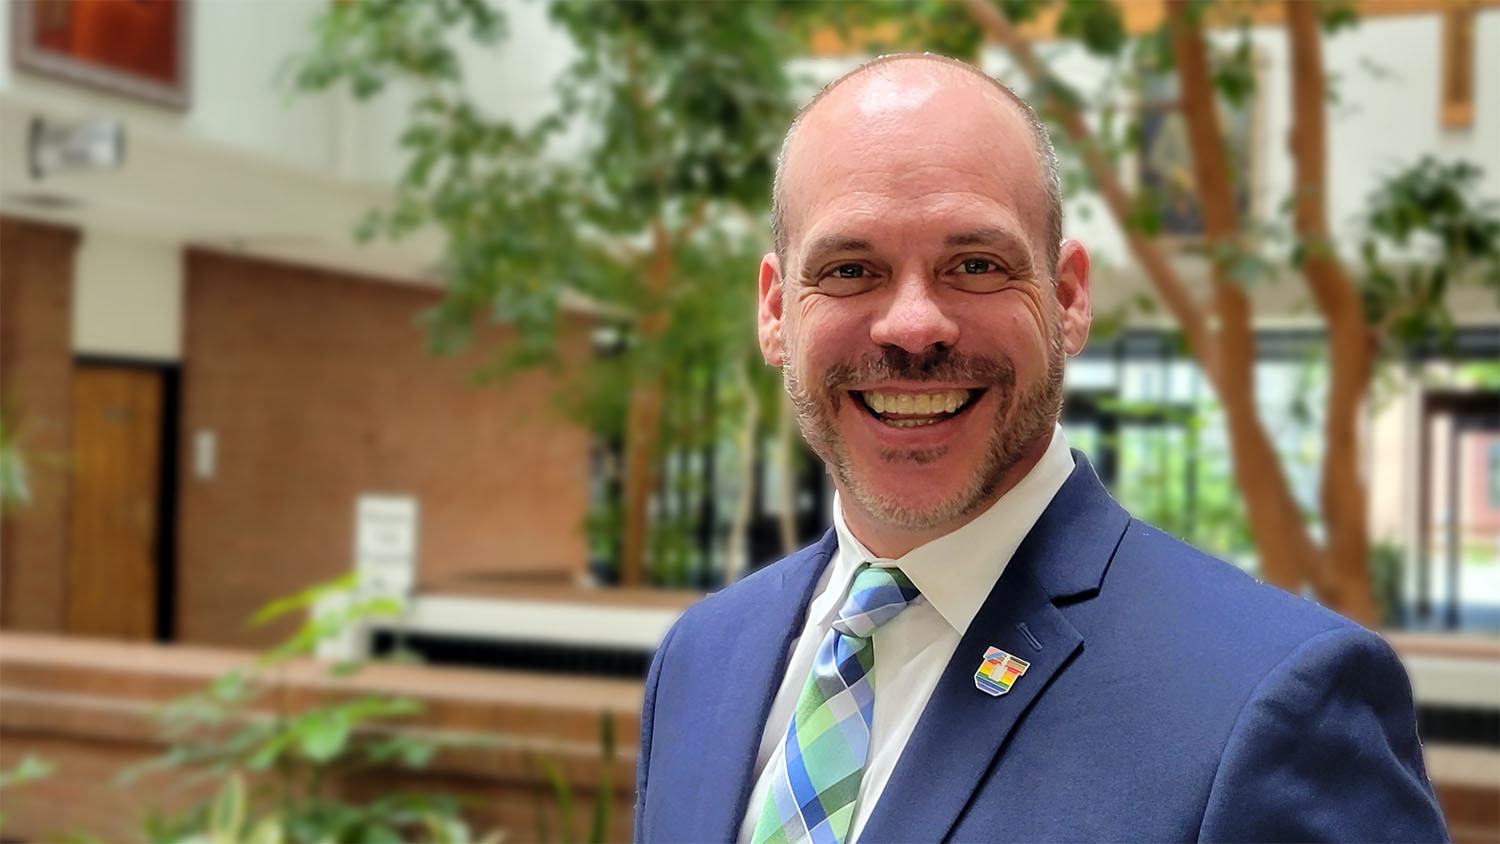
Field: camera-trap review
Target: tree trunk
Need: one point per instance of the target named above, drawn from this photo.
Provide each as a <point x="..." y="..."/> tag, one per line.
<point x="786" y="437"/>
<point x="1288" y="555"/>
<point x="1342" y="493"/>
<point x="643" y="427"/>
<point x="736" y="559"/>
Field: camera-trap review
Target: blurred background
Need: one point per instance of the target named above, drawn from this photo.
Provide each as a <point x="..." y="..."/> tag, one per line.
<point x="378" y="379"/>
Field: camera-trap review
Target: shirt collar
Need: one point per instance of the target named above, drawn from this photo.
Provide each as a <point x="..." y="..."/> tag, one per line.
<point x="956" y="571"/>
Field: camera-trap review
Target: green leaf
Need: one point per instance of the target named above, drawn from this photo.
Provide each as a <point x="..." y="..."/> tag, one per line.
<point x="302" y="600"/>
<point x="446" y="830"/>
<point x="604" y="800"/>
<point x="266" y="754"/>
<point x="228" y="812"/>
<point x="1145" y="215"/>
<point x="563" y="794"/>
<point x="347" y="668"/>
<point x="1097" y="25"/>
<point x="230" y="686"/>
<point x="15" y="489"/>
<point x="30" y="769"/>
<point x="1234" y="72"/>
<point x="1427" y="227"/>
<point x="322" y="735"/>
<point x="1338" y="15"/>
<point x="1145" y="303"/>
<point x="1248" y="268"/>
<point x="381" y="833"/>
<point x="265" y="831"/>
<point x="174" y="758"/>
<point x="416" y="754"/>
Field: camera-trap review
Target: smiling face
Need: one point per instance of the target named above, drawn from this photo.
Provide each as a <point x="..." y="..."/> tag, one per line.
<point x="920" y="332"/>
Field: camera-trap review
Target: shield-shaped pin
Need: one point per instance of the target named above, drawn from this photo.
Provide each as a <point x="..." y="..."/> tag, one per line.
<point x="998" y="672"/>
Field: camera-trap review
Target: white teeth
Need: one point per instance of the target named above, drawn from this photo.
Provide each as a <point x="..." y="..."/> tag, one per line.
<point x="923" y="404"/>
<point x="908" y="423"/>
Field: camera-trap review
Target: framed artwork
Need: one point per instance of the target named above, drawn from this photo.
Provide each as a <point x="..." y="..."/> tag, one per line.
<point x="1165" y="156"/>
<point x="135" y="48"/>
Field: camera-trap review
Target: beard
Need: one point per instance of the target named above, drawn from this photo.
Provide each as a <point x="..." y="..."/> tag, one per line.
<point x="1020" y="419"/>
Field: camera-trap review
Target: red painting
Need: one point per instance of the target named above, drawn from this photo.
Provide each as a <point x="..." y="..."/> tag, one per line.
<point x="134" y="47"/>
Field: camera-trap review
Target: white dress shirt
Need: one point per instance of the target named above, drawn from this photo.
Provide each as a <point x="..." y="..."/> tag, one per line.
<point x="955" y="573"/>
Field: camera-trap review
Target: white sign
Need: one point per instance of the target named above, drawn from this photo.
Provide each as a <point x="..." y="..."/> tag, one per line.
<point x="385" y="543"/>
<point x="205" y="448"/>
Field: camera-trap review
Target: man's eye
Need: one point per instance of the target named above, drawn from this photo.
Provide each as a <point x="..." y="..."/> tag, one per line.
<point x="976" y="266"/>
<point x="846" y="279"/>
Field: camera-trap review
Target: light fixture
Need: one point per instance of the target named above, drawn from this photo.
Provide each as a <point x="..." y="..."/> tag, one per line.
<point x="94" y="144"/>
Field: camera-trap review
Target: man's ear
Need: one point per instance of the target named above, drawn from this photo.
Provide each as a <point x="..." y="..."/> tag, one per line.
<point x="1072" y="290"/>
<point x="769" y="314"/>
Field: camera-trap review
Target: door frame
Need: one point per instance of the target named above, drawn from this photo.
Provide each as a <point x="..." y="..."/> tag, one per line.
<point x="1469" y="410"/>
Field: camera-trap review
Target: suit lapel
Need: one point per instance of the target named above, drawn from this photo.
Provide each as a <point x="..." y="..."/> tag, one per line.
<point x="963" y="729"/>
<point x="758" y="654"/>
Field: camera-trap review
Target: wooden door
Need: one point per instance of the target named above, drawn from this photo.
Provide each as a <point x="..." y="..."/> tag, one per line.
<point x="116" y="473"/>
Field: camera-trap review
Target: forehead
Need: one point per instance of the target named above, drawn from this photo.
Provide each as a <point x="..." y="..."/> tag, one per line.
<point x="912" y="140"/>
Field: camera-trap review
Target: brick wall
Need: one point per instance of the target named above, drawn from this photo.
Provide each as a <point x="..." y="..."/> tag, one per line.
<point x="318" y="387"/>
<point x="85" y="706"/>
<point x="36" y="365"/>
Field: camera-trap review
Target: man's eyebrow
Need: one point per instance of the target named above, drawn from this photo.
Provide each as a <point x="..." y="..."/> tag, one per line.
<point x="838" y="243"/>
<point x="993" y="237"/>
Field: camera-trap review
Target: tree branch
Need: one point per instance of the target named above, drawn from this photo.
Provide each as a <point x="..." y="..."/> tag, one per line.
<point x="1221" y="219"/>
<point x="1215" y="183"/>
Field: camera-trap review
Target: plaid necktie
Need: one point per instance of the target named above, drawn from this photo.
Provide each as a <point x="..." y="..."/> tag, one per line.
<point x="811" y="800"/>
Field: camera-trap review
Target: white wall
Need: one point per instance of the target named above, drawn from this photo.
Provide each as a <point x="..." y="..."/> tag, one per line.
<point x="5" y="14"/>
<point x="241" y="88"/>
<point x="127" y="297"/>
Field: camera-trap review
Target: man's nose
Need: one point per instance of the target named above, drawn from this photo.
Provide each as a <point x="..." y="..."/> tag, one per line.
<point x="914" y="319"/>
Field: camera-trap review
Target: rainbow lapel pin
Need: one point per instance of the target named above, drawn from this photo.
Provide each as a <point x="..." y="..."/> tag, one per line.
<point x="998" y="672"/>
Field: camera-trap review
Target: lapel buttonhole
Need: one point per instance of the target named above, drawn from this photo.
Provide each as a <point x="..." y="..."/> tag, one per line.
<point x="1031" y="638"/>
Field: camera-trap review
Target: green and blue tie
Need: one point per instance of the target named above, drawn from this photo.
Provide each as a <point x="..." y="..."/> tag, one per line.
<point x="811" y="800"/>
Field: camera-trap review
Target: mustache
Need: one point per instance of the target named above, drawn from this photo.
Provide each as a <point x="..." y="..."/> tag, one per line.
<point x="937" y="364"/>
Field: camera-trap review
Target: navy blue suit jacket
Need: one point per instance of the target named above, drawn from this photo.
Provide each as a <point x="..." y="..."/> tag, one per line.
<point x="1170" y="697"/>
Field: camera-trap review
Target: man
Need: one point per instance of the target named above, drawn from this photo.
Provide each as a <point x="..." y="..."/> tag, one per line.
<point x="986" y="647"/>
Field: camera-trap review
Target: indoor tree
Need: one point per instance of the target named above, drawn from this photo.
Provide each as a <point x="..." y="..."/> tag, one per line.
<point x="642" y="192"/>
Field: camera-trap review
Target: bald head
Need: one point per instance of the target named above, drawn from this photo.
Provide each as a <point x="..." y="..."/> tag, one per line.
<point x="896" y="83"/>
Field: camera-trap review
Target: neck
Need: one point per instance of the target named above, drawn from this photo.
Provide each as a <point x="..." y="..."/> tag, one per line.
<point x="890" y="541"/>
